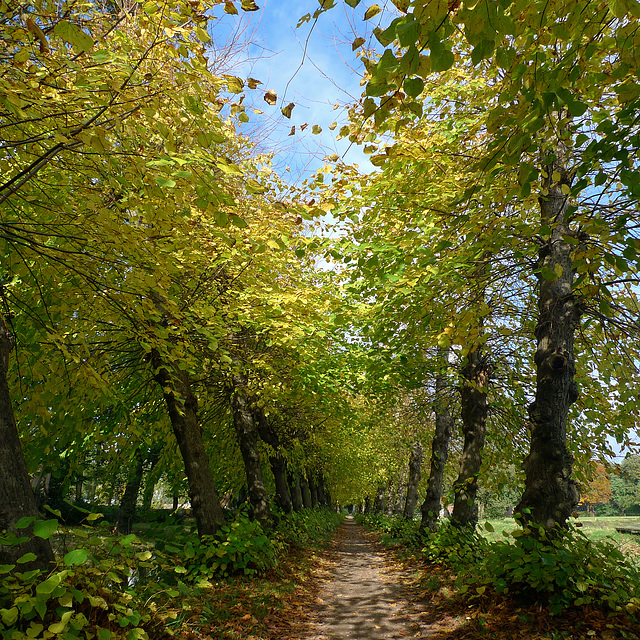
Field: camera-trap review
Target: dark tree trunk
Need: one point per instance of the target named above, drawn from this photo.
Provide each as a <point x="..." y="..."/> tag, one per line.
<point x="127" y="510"/>
<point x="16" y="495"/>
<point x="175" y="503"/>
<point x="306" y="493"/>
<point x="413" y="480"/>
<point x="430" y="508"/>
<point x="183" y="413"/>
<point x="474" y="426"/>
<point x="379" y="500"/>
<point x="295" y="490"/>
<point x="550" y="493"/>
<point x="247" y="437"/>
<point x="367" y="505"/>
<point x="279" y="469"/>
<point x="313" y="490"/>
<point x="152" y="476"/>
<point x="277" y="461"/>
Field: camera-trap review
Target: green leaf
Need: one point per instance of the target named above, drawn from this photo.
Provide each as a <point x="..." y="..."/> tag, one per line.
<point x="27" y="557"/>
<point x="74" y="35"/>
<point x="77" y="556"/>
<point x="48" y="586"/>
<point x="45" y="528"/>
<point x="166" y="182"/>
<point x="23" y="523"/>
<point x="413" y="87"/>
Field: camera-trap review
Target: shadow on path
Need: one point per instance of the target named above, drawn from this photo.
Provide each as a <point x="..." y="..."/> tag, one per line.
<point x="363" y="600"/>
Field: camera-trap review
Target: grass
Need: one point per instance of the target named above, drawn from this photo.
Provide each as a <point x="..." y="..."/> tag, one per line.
<point x="595" y="528"/>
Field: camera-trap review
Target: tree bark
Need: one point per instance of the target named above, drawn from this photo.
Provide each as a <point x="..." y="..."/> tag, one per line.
<point x="401" y="493"/>
<point x="183" y="413"/>
<point x="279" y="469"/>
<point x="379" y="500"/>
<point x="474" y="426"/>
<point x="296" y="491"/>
<point x="306" y="493"/>
<point x="16" y="495"/>
<point x="127" y="510"/>
<point x="439" y="449"/>
<point x="413" y="480"/>
<point x="550" y="493"/>
<point x="247" y="437"/>
<point x="313" y="490"/>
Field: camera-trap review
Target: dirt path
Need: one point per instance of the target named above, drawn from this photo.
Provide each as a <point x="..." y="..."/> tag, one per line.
<point x="367" y="597"/>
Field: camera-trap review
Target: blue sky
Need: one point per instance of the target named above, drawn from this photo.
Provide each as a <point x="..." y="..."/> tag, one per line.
<point x="268" y="46"/>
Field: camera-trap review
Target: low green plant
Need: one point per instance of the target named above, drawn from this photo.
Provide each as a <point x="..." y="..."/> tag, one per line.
<point x="457" y="547"/>
<point x="561" y="570"/>
<point x="90" y="593"/>
<point x="241" y="547"/>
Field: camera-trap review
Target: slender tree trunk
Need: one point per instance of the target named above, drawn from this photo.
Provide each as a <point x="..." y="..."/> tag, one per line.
<point x="16" y="495"/>
<point x="247" y="436"/>
<point x="279" y="469"/>
<point x="379" y="500"/>
<point x="183" y="413"/>
<point x="127" y="510"/>
<point x="277" y="461"/>
<point x="306" y="492"/>
<point x="296" y="491"/>
<point x="367" y="505"/>
<point x="313" y="490"/>
<point x="401" y="493"/>
<point x="550" y="493"/>
<point x="439" y="448"/>
<point x="175" y="503"/>
<point x="474" y="425"/>
<point x="413" y="480"/>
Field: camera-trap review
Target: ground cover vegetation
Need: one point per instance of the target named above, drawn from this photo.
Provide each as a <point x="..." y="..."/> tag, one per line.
<point x="164" y="320"/>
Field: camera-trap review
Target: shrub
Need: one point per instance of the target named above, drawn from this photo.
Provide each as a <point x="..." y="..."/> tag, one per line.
<point x="564" y="570"/>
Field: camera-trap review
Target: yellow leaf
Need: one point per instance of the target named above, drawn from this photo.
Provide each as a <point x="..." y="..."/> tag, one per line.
<point x="556" y="176"/>
<point x="252" y="83"/>
<point x="271" y="97"/>
<point x="358" y="42"/>
<point x="249" y="5"/>
<point x="372" y="11"/>
<point x="229" y="7"/>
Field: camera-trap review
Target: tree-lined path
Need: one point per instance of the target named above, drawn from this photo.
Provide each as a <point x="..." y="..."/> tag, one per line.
<point x="367" y="596"/>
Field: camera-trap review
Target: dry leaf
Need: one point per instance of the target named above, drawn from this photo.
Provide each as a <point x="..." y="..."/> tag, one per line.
<point x="286" y="111"/>
<point x="358" y="42"/>
<point x="293" y="131"/>
<point x="252" y="83"/>
<point x="372" y="11"/>
<point x="271" y="97"/>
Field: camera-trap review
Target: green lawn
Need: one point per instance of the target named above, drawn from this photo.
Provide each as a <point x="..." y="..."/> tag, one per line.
<point x="596" y="528"/>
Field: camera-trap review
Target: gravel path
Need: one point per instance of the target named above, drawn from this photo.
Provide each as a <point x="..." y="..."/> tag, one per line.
<point x="365" y="598"/>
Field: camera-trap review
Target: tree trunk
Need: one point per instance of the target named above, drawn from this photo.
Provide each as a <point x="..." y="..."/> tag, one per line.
<point x="183" y="413"/>
<point x="279" y="469"/>
<point x="16" y="495"/>
<point x="127" y="510"/>
<point x="296" y="491"/>
<point x="379" y="500"/>
<point x="306" y="493"/>
<point x="367" y="505"/>
<point x="401" y="493"/>
<point x="413" y="480"/>
<point x="313" y="490"/>
<point x="550" y="493"/>
<point x="247" y="437"/>
<point x="430" y="508"/>
<point x="474" y="426"/>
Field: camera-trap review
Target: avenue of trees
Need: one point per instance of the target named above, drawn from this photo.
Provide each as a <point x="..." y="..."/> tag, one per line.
<point x="164" y="316"/>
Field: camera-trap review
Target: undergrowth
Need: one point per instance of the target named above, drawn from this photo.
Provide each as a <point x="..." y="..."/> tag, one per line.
<point x="110" y="587"/>
<point x="564" y="570"/>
